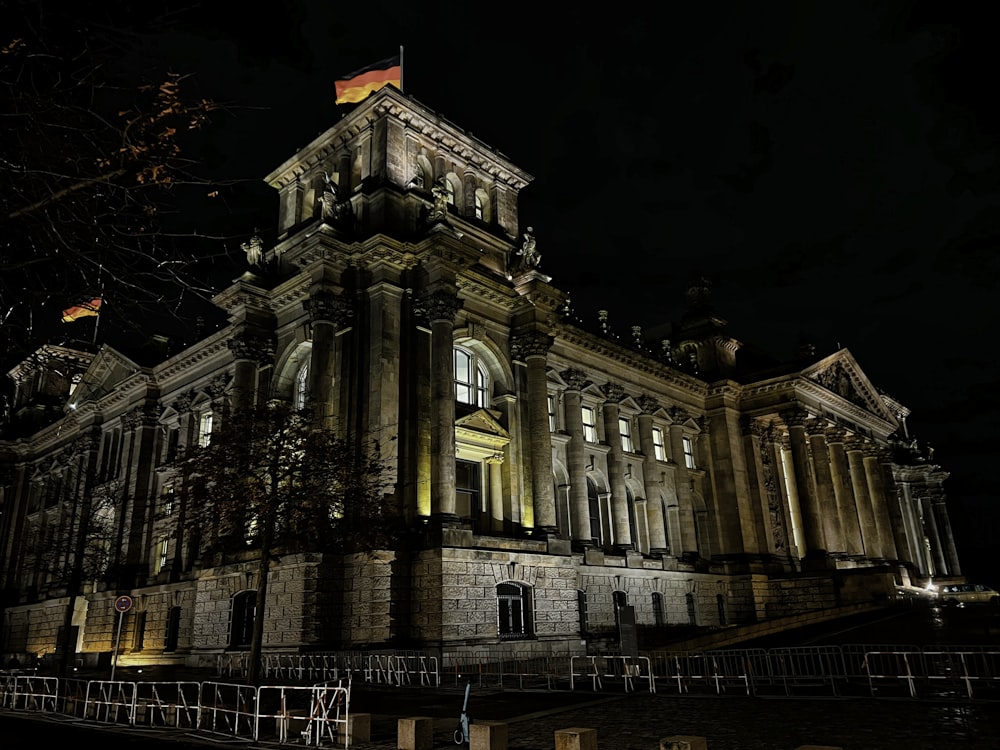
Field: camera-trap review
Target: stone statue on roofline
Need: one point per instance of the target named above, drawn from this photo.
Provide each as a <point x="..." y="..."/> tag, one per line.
<point x="333" y="210"/>
<point x="530" y="257"/>
<point x="254" y="249"/>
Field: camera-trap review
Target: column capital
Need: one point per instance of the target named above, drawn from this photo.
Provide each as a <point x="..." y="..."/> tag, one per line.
<point x="329" y="306"/>
<point x="795" y="416"/>
<point x="836" y="434"/>
<point x="647" y="404"/>
<point x="439" y="306"/>
<point x="183" y="402"/>
<point x="530" y="344"/>
<point x="816" y="427"/>
<point x="576" y="380"/>
<point x="855" y="443"/>
<point x="613" y="392"/>
<point x="249" y="346"/>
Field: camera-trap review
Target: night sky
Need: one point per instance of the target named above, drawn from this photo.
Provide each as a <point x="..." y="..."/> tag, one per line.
<point x="832" y="168"/>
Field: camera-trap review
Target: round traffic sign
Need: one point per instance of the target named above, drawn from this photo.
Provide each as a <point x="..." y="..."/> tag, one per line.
<point x="123" y="603"/>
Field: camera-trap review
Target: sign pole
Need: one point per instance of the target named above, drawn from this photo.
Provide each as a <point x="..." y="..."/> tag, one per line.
<point x="122" y="605"/>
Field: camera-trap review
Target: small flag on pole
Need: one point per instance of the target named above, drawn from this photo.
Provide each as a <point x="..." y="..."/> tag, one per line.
<point x="359" y="84"/>
<point x="83" y="310"/>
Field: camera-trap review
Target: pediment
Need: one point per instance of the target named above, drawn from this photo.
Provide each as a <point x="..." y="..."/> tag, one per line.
<point x="107" y="371"/>
<point x="484" y="422"/>
<point x="840" y="374"/>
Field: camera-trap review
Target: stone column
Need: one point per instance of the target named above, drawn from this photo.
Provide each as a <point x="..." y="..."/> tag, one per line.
<point x="843" y="491"/>
<point x="441" y="310"/>
<point x="328" y="313"/>
<point x="812" y="520"/>
<point x="576" y="381"/>
<point x="248" y="350"/>
<point x="826" y="498"/>
<point x="949" y="555"/>
<point x="859" y="480"/>
<point x="533" y="349"/>
<point x="613" y="394"/>
<point x="778" y="504"/>
<point x="933" y="534"/>
<point x="880" y="511"/>
<point x="654" y="503"/>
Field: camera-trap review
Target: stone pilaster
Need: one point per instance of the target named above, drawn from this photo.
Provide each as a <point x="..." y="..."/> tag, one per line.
<point x="328" y="314"/>
<point x="843" y="490"/>
<point x="249" y="351"/>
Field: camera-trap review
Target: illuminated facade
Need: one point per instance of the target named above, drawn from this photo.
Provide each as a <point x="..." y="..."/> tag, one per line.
<point x="550" y="473"/>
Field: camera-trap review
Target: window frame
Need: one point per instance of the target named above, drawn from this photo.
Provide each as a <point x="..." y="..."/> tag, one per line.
<point x="589" y="427"/>
<point x="625" y="431"/>
<point x="513" y="610"/>
<point x="205" y="422"/>
<point x="688" y="444"/>
<point x="477" y="388"/>
<point x="659" y="446"/>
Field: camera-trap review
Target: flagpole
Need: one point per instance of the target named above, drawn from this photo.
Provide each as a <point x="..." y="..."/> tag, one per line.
<point x="401" y="89"/>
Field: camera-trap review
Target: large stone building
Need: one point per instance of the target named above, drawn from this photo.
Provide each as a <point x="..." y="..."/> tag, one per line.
<point x="551" y="473"/>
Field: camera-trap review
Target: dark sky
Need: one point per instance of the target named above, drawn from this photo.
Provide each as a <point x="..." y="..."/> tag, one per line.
<point x="831" y="168"/>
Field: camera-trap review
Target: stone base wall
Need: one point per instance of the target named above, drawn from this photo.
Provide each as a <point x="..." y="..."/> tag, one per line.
<point x="34" y="628"/>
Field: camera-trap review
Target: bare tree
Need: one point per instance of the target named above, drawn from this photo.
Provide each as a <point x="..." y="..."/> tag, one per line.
<point x="272" y="482"/>
<point x="94" y="165"/>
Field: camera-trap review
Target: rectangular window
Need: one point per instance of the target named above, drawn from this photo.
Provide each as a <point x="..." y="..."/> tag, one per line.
<point x="659" y="452"/>
<point x="625" y="429"/>
<point x="552" y="413"/>
<point x="688" y="452"/>
<point x="167" y="500"/>
<point x="205" y="429"/>
<point x="161" y="552"/>
<point x="589" y="424"/>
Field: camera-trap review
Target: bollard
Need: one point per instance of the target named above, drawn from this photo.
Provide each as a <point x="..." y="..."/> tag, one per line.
<point x="415" y="733"/>
<point x="684" y="742"/>
<point x="357" y="729"/>
<point x="488" y="735"/>
<point x="576" y="738"/>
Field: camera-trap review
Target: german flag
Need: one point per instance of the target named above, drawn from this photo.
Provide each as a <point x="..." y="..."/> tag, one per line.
<point x="83" y="310"/>
<point x="359" y="84"/>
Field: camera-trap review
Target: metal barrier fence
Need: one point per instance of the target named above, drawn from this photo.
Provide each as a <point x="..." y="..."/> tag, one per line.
<point x="388" y="668"/>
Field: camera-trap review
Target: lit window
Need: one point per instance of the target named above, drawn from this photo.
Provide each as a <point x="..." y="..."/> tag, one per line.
<point x="514" y="618"/>
<point x="451" y="191"/>
<point x="688" y="453"/>
<point x="205" y="429"/>
<point x="589" y="424"/>
<point x="167" y="500"/>
<point x="625" y="429"/>
<point x="552" y="413"/>
<point x="479" y="207"/>
<point x="471" y="380"/>
<point x="659" y="452"/>
<point x="302" y="386"/>
<point x="161" y="552"/>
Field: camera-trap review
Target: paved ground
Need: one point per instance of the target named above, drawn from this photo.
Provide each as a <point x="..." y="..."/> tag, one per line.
<point x="639" y="720"/>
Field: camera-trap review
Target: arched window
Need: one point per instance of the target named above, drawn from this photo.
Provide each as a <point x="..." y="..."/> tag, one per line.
<point x="471" y="379"/>
<point x="301" y="387"/>
<point x="514" y="613"/>
<point x="451" y="191"/>
<point x="241" y="620"/>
